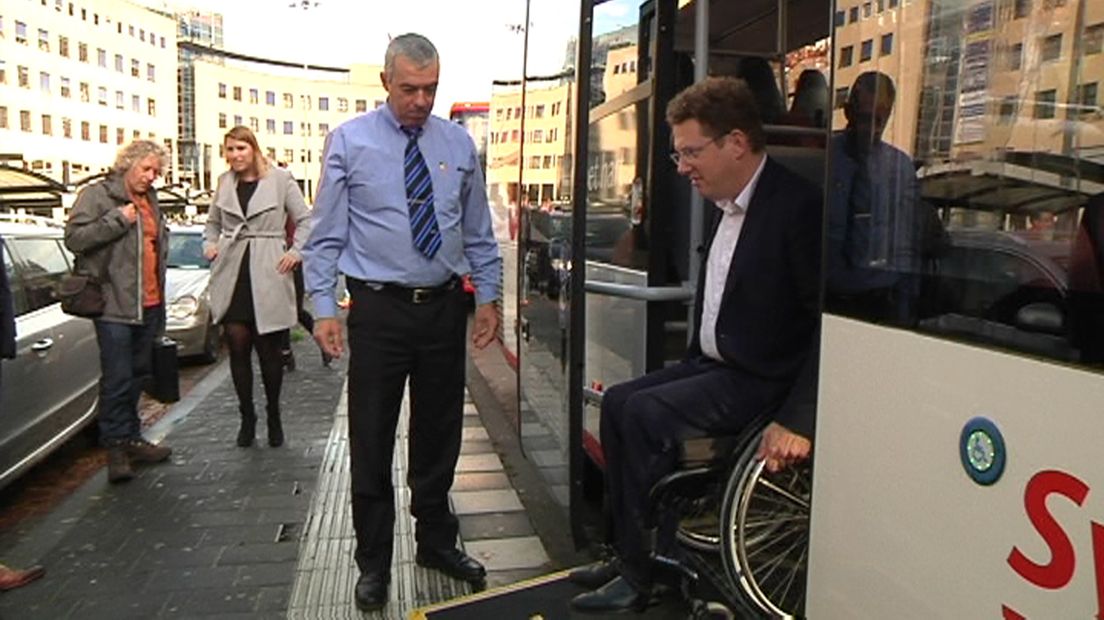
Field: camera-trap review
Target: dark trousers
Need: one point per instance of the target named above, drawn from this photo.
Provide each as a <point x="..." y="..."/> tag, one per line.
<point x="643" y="423"/>
<point x="125" y="365"/>
<point x="391" y="339"/>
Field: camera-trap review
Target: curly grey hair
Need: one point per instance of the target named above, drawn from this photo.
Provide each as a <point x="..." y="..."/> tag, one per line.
<point x="137" y="151"/>
<point x="411" y="45"/>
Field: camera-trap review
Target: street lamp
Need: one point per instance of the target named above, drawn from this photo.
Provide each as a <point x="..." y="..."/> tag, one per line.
<point x="304" y="129"/>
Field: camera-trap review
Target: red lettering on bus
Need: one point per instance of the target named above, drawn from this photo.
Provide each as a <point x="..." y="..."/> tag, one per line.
<point x="1058" y="572"/>
<point x="1009" y="614"/>
<point x="1098" y="556"/>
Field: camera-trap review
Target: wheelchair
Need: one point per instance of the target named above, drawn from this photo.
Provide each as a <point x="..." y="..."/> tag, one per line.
<point x="742" y="533"/>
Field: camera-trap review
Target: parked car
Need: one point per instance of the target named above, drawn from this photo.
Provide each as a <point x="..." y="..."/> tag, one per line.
<point x="1003" y="289"/>
<point x="50" y="390"/>
<point x="187" y="300"/>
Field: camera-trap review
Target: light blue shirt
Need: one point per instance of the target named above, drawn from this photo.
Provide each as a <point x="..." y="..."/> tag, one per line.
<point x="361" y="223"/>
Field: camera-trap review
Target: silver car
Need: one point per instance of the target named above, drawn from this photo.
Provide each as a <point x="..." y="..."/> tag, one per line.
<point x="187" y="309"/>
<point x="50" y="390"/>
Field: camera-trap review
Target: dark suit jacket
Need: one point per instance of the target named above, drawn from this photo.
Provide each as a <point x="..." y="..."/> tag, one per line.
<point x="768" y="324"/>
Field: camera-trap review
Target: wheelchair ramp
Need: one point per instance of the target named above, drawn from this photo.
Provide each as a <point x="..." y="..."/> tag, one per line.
<point x="546" y="598"/>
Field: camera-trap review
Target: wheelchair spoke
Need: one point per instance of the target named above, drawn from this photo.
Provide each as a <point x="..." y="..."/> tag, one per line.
<point x="778" y="560"/>
<point x="771" y="519"/>
<point x="800" y="502"/>
<point x="787" y="585"/>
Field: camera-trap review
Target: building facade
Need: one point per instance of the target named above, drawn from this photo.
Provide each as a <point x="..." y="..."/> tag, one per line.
<point x="79" y="79"/>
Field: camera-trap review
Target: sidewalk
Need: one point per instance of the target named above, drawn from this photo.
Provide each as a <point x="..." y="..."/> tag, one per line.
<point x="221" y="531"/>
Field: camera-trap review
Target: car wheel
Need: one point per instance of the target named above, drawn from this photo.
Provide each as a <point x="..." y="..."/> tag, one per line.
<point x="211" y="343"/>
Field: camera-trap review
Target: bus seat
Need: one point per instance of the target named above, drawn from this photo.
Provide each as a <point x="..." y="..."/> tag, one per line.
<point x="808" y="162"/>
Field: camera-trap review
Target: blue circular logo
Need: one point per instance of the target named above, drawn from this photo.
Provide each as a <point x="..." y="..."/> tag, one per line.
<point x="982" y="450"/>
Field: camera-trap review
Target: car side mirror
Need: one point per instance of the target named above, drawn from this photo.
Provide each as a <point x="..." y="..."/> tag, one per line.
<point x="1041" y="317"/>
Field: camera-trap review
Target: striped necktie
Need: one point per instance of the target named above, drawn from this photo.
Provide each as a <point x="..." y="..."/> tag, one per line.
<point x="419" y="197"/>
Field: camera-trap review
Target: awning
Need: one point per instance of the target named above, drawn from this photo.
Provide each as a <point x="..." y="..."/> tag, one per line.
<point x="26" y="189"/>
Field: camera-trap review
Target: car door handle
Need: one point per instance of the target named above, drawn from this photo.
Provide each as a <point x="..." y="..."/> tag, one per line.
<point x="42" y="345"/>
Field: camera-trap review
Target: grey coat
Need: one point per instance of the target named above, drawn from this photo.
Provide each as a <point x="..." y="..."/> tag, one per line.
<point x="110" y="248"/>
<point x="260" y="227"/>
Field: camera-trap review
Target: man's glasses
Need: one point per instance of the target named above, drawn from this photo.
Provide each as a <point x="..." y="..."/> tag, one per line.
<point x="690" y="153"/>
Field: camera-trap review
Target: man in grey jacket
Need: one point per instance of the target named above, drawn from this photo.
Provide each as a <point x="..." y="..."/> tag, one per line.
<point x="119" y="235"/>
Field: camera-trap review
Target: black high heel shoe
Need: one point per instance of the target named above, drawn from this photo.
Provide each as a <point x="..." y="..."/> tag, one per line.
<point x="248" y="430"/>
<point x="275" y="428"/>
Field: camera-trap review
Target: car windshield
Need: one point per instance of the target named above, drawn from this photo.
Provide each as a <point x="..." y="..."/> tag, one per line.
<point x="186" y="251"/>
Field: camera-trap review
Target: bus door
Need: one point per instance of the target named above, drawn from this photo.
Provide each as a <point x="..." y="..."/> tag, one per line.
<point x="959" y="424"/>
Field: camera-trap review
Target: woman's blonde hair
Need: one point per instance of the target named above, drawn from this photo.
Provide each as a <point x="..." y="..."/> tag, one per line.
<point x="241" y="133"/>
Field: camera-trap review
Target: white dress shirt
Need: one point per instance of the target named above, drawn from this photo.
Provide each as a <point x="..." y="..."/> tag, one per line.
<point x="720" y="259"/>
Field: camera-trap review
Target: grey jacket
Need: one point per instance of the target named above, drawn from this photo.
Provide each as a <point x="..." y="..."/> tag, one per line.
<point x="110" y="248"/>
<point x="259" y="226"/>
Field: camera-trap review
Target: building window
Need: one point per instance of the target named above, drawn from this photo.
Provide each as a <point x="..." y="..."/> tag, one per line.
<point x="119" y="100"/>
<point x="237" y="120"/>
<point x="853" y="15"/>
<point x="65" y="90"/>
<point x="324" y="103"/>
<point x="1007" y="112"/>
<point x="841" y="96"/>
<point x="1023" y="8"/>
<point x="866" y="10"/>
<point x="43" y="40"/>
<point x="24" y="77"/>
<point x="151" y="72"/>
<point x="222" y="120"/>
<point x="1044" y="103"/>
<point x="1052" y="48"/>
<point x="222" y="90"/>
<point x="361" y="105"/>
<point x="20" y="32"/>
<point x="86" y="131"/>
<point x="270" y="97"/>
<point x="866" y="52"/>
<point x="237" y="93"/>
<point x="101" y="95"/>
<point x="67" y="127"/>
<point x="887" y="44"/>
<point x="841" y="18"/>
<point x="103" y="134"/>
<point x="289" y="156"/>
<point x="44" y="81"/>
<point x="47" y="125"/>
<point x="63" y="46"/>
<point x="254" y="96"/>
<point x="120" y="135"/>
<point x="289" y="128"/>
<point x="85" y="92"/>
<point x="289" y="101"/>
<point x="539" y="111"/>
<point x="151" y="107"/>
<point x="323" y="129"/>
<point x="82" y="52"/>
<point x="135" y="103"/>
<point x="119" y="63"/>
<point x="1086" y="96"/>
<point x="101" y="57"/>
<point x="1015" y="57"/>
<point x="135" y="68"/>
<point x="1094" y="39"/>
<point x="270" y="125"/>
<point x="846" y="56"/>
<point x="342" y="104"/>
<point x="25" y="120"/>
<point x="254" y="124"/>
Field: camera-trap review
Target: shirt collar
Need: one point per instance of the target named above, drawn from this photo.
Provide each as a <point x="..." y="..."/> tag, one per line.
<point x="392" y="120"/>
<point x="741" y="202"/>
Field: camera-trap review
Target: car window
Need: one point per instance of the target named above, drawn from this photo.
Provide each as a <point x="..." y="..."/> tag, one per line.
<point x="40" y="265"/>
<point x="19" y="296"/>
<point x="186" y="251"/>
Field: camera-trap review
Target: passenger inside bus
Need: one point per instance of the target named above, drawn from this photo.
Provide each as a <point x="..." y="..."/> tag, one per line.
<point x="1086" y="283"/>
<point x="752" y="359"/>
<point x="880" y="232"/>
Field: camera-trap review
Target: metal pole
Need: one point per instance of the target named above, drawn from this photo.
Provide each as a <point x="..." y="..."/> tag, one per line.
<point x="521" y="140"/>
<point x="697" y="203"/>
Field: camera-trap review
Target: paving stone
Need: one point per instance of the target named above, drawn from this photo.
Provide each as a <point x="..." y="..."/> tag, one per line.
<point x="478" y="462"/>
<point x="263" y="575"/>
<point x="479" y="502"/>
<point x="259" y="553"/>
<point x="221" y="601"/>
<point x="477" y="447"/>
<point x="508" y="553"/>
<point x="477" y="481"/>
<point x="189" y="578"/>
<point x="498" y="525"/>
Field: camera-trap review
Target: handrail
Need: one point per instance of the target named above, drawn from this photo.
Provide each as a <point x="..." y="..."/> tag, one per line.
<point x="641" y="293"/>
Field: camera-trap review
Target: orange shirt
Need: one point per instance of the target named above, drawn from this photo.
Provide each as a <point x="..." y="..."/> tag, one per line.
<point x="151" y="286"/>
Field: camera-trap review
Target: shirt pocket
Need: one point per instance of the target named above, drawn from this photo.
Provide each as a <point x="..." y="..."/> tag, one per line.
<point x="448" y="185"/>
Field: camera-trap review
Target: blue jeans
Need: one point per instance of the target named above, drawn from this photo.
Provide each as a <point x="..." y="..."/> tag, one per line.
<point x="125" y="364"/>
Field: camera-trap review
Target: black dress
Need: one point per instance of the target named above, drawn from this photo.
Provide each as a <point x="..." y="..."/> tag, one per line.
<point x="241" y="303"/>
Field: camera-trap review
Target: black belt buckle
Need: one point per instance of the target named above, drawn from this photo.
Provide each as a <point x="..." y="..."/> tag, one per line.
<point x="420" y="295"/>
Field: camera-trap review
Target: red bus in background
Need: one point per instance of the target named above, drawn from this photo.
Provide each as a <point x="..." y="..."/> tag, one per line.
<point x="475" y="117"/>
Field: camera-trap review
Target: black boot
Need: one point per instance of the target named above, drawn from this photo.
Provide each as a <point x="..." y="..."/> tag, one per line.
<point x="275" y="429"/>
<point x="248" y="428"/>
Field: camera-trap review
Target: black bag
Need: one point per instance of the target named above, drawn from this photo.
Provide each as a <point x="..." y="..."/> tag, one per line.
<point x="81" y="295"/>
<point x="164" y="381"/>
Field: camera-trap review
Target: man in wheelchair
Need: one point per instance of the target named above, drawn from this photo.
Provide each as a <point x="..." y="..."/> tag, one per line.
<point x="752" y="355"/>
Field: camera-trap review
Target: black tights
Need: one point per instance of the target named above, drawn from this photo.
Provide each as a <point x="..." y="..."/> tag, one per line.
<point x="242" y="338"/>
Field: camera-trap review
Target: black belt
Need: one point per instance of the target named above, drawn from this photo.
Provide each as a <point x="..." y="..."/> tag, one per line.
<point x="413" y="295"/>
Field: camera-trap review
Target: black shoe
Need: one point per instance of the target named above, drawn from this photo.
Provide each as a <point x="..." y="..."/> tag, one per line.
<point x="594" y="576"/>
<point x="138" y="449"/>
<point x="248" y="430"/>
<point x="371" y="591"/>
<point x="288" y="359"/>
<point x="275" y="430"/>
<point x="454" y="563"/>
<point x="118" y="465"/>
<point x="617" y="596"/>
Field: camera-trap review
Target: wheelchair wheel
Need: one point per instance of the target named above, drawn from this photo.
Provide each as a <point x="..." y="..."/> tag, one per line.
<point x="701" y="531"/>
<point x="765" y="533"/>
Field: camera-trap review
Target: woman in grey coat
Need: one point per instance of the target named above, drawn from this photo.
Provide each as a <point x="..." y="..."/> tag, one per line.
<point x="252" y="293"/>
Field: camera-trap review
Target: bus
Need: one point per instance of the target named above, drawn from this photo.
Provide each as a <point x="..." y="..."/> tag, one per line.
<point x="957" y="417"/>
<point x="473" y="117"/>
